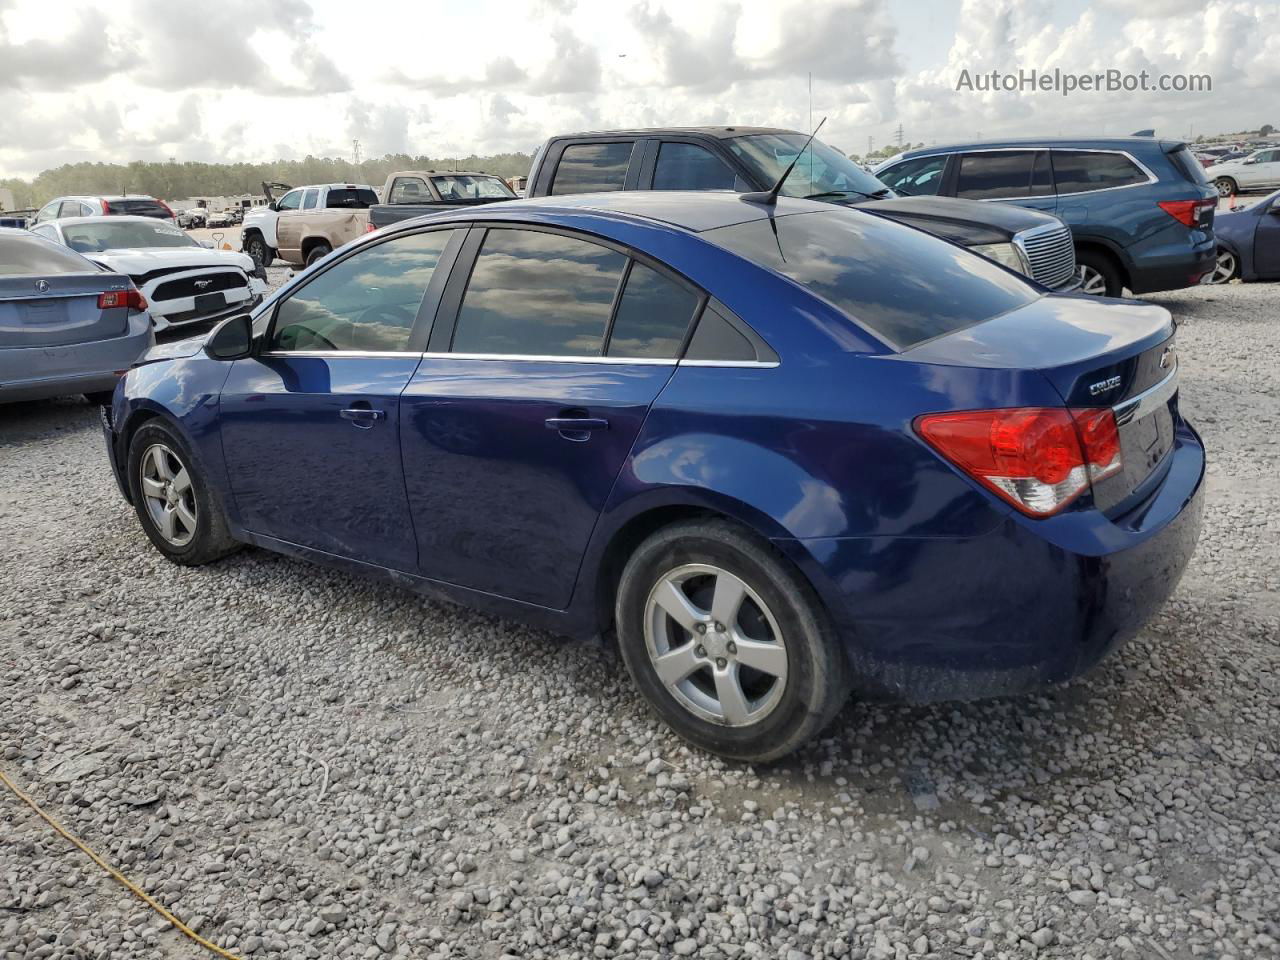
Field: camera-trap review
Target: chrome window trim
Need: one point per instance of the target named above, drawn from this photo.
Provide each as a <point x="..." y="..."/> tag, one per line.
<point x="750" y="364"/>
<point x="551" y="358"/>
<point x="1135" y="408"/>
<point x="339" y="353"/>
<point x="509" y="357"/>
<point x="1151" y="177"/>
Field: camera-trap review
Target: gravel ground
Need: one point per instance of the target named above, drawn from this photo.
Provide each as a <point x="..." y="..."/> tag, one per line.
<point x="307" y="765"/>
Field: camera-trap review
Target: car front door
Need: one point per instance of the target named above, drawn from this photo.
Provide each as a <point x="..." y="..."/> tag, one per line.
<point x="517" y="423"/>
<point x="1266" y="241"/>
<point x="311" y="424"/>
<point x="1266" y="172"/>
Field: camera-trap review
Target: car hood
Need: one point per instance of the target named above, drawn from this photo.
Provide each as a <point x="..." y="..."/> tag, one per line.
<point x="146" y="259"/>
<point x="967" y="222"/>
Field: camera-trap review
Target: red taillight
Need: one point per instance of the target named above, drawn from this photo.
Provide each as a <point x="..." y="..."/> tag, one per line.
<point x="1189" y="213"/>
<point x="369" y="228"/>
<point x="166" y="208"/>
<point x="1039" y="458"/>
<point x="106" y="207"/>
<point x="131" y="298"/>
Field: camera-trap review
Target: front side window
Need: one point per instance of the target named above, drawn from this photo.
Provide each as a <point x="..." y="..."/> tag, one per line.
<point x="107" y="234"/>
<point x="821" y="171"/>
<point x="653" y="316"/>
<point x="995" y="175"/>
<point x="686" y="166"/>
<point x="309" y="199"/>
<point x="290" y="201"/>
<point x="538" y="294"/>
<point x="855" y="261"/>
<point x="409" y="190"/>
<point x="462" y="186"/>
<point x="920" y="177"/>
<point x="592" y="167"/>
<point x="48" y="212"/>
<point x="368" y="301"/>
<point x="1079" y="171"/>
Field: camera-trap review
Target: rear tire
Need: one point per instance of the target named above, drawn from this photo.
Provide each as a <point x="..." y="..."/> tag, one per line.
<point x="1099" y="274"/>
<point x="720" y="689"/>
<point x="319" y="251"/>
<point x="175" y="506"/>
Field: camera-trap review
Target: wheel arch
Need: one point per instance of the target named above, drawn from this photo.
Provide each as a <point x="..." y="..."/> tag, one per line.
<point x="312" y="241"/>
<point x="1098" y="245"/>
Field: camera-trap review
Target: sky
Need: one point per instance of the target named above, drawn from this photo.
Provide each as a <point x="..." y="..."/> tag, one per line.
<point x="247" y="80"/>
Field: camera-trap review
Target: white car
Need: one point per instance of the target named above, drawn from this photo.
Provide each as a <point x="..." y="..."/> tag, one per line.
<point x="184" y="281"/>
<point x="1258" y="171"/>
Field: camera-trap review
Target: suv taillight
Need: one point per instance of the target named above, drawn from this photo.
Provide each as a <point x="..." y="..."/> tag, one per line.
<point x="167" y="209"/>
<point x="1189" y="213"/>
<point x="131" y="298"/>
<point x="106" y="208"/>
<point x="1037" y="458"/>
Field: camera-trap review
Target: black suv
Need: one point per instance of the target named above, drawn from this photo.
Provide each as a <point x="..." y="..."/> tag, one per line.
<point x="753" y="158"/>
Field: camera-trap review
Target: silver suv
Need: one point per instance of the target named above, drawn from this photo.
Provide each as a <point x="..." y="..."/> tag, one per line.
<point x="134" y="205"/>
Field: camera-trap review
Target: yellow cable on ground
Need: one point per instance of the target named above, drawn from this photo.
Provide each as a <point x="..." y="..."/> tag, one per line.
<point x="130" y="885"/>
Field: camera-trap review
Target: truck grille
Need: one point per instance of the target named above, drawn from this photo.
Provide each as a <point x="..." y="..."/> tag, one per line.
<point x="1052" y="254"/>
<point x="210" y="283"/>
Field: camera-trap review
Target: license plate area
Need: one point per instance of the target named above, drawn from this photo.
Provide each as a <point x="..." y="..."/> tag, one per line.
<point x="1144" y="443"/>
<point x="210" y="302"/>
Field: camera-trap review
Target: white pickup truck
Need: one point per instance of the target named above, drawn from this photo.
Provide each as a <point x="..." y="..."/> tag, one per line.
<point x="306" y="223"/>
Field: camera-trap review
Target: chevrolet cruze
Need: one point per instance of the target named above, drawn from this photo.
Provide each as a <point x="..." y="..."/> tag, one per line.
<point x="787" y="452"/>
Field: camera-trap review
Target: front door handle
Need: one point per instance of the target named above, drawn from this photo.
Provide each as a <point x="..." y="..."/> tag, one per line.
<point x="362" y="416"/>
<point x="577" y="424"/>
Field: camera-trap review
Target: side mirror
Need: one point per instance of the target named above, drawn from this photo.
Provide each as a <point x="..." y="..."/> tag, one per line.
<point x="232" y="339"/>
<point x="1275" y="209"/>
<point x="272" y="205"/>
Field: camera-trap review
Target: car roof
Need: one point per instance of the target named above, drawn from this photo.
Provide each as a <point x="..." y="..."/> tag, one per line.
<point x="107" y="221"/>
<point x="330" y="186"/>
<point x="1083" y="143"/>
<point x="692" y="210"/>
<point x="722" y="133"/>
<point x="442" y="173"/>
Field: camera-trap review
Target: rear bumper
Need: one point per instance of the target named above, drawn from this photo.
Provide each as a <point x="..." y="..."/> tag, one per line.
<point x="1029" y="604"/>
<point x="1173" y="267"/>
<point x="38" y="373"/>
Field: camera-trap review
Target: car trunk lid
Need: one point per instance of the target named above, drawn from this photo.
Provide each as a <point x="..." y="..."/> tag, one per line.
<point x="1095" y="354"/>
<point x="59" y="310"/>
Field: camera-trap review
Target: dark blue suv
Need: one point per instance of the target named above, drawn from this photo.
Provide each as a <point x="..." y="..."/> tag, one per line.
<point x="1140" y="209"/>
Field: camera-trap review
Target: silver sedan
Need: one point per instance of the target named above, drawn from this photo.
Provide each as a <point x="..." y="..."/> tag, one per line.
<point x="66" y="325"/>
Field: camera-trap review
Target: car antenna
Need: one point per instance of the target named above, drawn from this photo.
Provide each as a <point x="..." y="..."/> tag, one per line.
<point x="769" y="198"/>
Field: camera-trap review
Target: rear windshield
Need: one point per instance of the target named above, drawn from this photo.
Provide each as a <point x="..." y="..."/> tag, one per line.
<point x="1185" y="162"/>
<point x="903" y="284"/>
<point x="465" y="187"/>
<point x="139" y="208"/>
<point x="24" y="253"/>
<point x="355" y="199"/>
<point x="106" y="234"/>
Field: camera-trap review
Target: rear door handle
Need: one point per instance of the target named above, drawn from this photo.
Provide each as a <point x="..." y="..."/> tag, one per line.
<point x="577" y="424"/>
<point x="362" y="415"/>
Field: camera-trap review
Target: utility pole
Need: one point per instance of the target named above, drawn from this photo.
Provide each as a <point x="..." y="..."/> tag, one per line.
<point x="899" y="135"/>
<point x="355" y="152"/>
<point x="870" y="140"/>
<point x="810" y="127"/>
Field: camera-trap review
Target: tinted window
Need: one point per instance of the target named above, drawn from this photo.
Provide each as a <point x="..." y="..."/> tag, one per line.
<point x="901" y="283"/>
<point x="1185" y="162"/>
<point x="409" y="190"/>
<point x="920" y="177"/>
<point x="139" y="208"/>
<point x="466" y="187"/>
<point x="685" y="166"/>
<point x="1002" y="173"/>
<point x="1076" y="171"/>
<point x="717" y="339"/>
<point x="21" y="254"/>
<point x="653" y="316"/>
<point x="538" y="294"/>
<point x="354" y="199"/>
<point x="367" y="302"/>
<point x="1042" y="175"/>
<point x="592" y="167"/>
<point x="290" y="201"/>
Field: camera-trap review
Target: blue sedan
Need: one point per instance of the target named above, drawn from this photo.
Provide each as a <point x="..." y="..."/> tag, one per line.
<point x="1248" y="242"/>
<point x="787" y="452"/>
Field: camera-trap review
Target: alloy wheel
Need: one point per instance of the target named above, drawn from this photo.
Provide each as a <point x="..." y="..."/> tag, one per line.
<point x="1092" y="282"/>
<point x="715" y="645"/>
<point x="168" y="494"/>
<point x="1224" y="269"/>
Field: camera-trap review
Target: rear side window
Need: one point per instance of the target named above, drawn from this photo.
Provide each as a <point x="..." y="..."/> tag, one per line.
<point x="920" y="177"/>
<point x="310" y="199"/>
<point x="409" y="190"/>
<point x="652" y="317"/>
<point x="70" y="208"/>
<point x="592" y="167"/>
<point x="368" y="301"/>
<point x="855" y="261"/>
<point x="538" y="294"/>
<point x="718" y="339"/>
<point x="995" y="175"/>
<point x="353" y="199"/>
<point x="30" y="255"/>
<point x="1079" y="171"/>
<point x="686" y="166"/>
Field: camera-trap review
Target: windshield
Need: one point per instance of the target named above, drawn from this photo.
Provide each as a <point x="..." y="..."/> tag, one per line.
<point x="464" y="187"/>
<point x="114" y="235"/>
<point x="821" y="170"/>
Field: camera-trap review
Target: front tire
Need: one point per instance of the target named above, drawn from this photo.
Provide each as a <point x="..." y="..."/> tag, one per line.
<point x="729" y="645"/>
<point x="259" y="252"/>
<point x="175" y="506"/>
<point x="1226" y="186"/>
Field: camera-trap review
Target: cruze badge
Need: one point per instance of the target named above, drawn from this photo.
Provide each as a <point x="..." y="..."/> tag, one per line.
<point x="1102" y="386"/>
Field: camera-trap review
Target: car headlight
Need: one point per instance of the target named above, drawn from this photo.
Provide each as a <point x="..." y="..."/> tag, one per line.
<point x="1006" y="254"/>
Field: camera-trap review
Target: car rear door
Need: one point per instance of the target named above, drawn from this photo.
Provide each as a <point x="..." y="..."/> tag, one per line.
<point x="1013" y="176"/>
<point x="288" y="228"/>
<point x="1266" y="240"/>
<point x="311" y="425"/>
<point x="547" y="354"/>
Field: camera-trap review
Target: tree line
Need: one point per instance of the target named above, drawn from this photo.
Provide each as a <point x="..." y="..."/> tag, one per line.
<point x="171" y="180"/>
